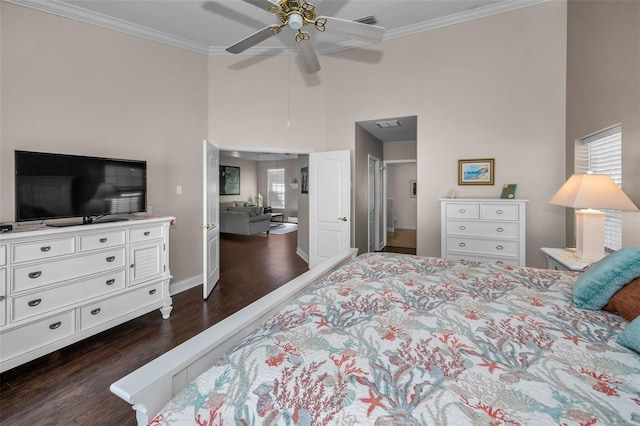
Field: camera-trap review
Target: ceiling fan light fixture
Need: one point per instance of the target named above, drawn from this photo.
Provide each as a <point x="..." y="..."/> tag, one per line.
<point x="295" y="21"/>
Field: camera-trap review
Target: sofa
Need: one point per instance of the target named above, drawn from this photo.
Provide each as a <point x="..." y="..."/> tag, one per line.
<point x="238" y="217"/>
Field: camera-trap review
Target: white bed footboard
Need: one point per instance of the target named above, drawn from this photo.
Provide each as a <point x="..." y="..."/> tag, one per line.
<point x="151" y="386"/>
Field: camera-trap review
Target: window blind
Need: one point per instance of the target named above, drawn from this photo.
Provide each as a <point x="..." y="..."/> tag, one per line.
<point x="276" y="187"/>
<point x="604" y="156"/>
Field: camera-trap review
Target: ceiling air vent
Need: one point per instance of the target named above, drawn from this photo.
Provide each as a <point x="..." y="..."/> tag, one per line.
<point x="388" y="123"/>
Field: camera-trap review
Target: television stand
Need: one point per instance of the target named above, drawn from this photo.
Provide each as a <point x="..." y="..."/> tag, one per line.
<point x="62" y="285"/>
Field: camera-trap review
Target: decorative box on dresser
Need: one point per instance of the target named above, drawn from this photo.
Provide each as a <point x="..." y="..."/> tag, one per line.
<point x="484" y="230"/>
<point x="59" y="285"/>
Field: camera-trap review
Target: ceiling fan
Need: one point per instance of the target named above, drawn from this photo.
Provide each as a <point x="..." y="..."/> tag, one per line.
<point x="296" y="14"/>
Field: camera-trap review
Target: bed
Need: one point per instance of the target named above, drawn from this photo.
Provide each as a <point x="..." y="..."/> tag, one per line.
<point x="387" y="339"/>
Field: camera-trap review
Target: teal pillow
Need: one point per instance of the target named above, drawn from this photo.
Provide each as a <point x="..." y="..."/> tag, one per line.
<point x="596" y="286"/>
<point x="630" y="336"/>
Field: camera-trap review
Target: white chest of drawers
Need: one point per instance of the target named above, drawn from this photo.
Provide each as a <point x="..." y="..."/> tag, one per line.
<point x="61" y="285"/>
<point x="484" y="230"/>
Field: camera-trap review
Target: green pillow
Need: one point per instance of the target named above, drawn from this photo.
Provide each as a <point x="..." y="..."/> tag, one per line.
<point x="596" y="286"/>
<point x="630" y="336"/>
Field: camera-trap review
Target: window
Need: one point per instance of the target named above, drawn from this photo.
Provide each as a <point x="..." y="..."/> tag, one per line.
<point x="602" y="154"/>
<point x="275" y="188"/>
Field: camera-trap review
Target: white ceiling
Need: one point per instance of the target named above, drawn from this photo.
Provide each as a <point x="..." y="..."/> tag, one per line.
<point x="211" y="26"/>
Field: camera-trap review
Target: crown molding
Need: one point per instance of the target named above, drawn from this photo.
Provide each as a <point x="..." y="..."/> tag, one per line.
<point x="70" y="11"/>
<point x="67" y="10"/>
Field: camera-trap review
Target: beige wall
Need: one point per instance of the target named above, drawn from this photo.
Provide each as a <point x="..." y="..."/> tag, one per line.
<point x="69" y="87"/>
<point x="603" y="89"/>
<point x="488" y="88"/>
<point x="492" y="87"/>
<point x="399" y="176"/>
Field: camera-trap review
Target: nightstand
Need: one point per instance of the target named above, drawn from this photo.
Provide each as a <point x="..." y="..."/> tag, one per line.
<point x="565" y="259"/>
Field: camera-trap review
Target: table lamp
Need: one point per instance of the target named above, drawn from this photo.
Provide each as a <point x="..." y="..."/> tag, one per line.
<point x="590" y="192"/>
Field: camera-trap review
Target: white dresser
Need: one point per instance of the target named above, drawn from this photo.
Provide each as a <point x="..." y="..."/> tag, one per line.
<point x="61" y="285"/>
<point x="484" y="230"/>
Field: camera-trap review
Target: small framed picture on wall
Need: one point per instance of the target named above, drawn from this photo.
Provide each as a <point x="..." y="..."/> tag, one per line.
<point x="476" y="172"/>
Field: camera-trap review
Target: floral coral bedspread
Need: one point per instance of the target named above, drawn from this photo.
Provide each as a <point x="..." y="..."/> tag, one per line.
<point x="394" y="339"/>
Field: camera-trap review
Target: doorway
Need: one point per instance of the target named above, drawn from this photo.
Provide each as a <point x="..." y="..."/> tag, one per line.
<point x="386" y="182"/>
<point x="401" y="205"/>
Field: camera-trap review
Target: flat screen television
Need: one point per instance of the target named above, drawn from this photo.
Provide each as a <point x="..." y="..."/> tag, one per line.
<point x="56" y="186"/>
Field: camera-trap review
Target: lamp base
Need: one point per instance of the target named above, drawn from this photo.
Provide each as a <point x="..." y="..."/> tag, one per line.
<point x="590" y="234"/>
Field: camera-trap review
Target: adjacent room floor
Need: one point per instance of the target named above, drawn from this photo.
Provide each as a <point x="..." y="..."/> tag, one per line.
<point x="401" y="241"/>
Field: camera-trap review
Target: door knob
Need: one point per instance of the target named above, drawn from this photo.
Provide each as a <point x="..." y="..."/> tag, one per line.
<point x="343" y="218"/>
<point x="206" y="226"/>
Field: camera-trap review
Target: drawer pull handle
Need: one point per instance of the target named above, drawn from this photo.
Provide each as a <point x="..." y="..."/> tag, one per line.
<point x="95" y="311"/>
<point x="462" y="244"/>
<point x="499" y="211"/>
<point x="111" y="258"/>
<point x="500" y="262"/>
<point x="35" y="275"/>
<point x="499" y="247"/>
<point x="462" y="227"/>
<point x="103" y="240"/>
<point x="111" y="281"/>
<point x="499" y="229"/>
<point x="153" y="291"/>
<point x="146" y="233"/>
<point x="45" y="249"/>
<point x="55" y="325"/>
<point x="34" y="302"/>
<point x="461" y="211"/>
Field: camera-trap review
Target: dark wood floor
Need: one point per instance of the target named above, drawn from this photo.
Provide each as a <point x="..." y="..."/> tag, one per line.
<point x="71" y="386"/>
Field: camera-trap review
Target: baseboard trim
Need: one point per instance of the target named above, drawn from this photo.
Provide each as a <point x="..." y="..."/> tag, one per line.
<point x="302" y="254"/>
<point x="184" y="285"/>
<point x="413" y="228"/>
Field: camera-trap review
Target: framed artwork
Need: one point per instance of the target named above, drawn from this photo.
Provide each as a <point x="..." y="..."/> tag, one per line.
<point x="229" y="180"/>
<point x="509" y="191"/>
<point x="304" y="185"/>
<point x="412" y="188"/>
<point x="476" y="172"/>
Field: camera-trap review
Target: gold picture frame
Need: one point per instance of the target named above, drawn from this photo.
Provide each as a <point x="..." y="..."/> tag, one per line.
<point x="476" y="171"/>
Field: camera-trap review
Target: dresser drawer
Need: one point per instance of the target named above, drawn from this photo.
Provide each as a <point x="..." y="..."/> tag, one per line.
<point x="44" y="249"/>
<point x="513" y="261"/>
<point x="108" y="309"/>
<point x="488" y="247"/>
<point x="35" y="335"/>
<point x="483" y="229"/>
<point x="3" y="255"/>
<point x="500" y="212"/>
<point x="33" y="276"/>
<point x="99" y="241"/>
<point x="463" y="211"/>
<point x="145" y="234"/>
<point x="53" y="298"/>
<point x="3" y="296"/>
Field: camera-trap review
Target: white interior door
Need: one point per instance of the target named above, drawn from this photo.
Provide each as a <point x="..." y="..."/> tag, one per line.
<point x="210" y="219"/>
<point x="329" y="204"/>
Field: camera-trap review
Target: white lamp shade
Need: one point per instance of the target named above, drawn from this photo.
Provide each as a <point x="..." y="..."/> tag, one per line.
<point x="592" y="191"/>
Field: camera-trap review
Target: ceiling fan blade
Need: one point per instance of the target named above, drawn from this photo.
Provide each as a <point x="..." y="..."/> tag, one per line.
<point x="264" y="4"/>
<point x="364" y="32"/>
<point x="309" y="56"/>
<point x="254" y="39"/>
